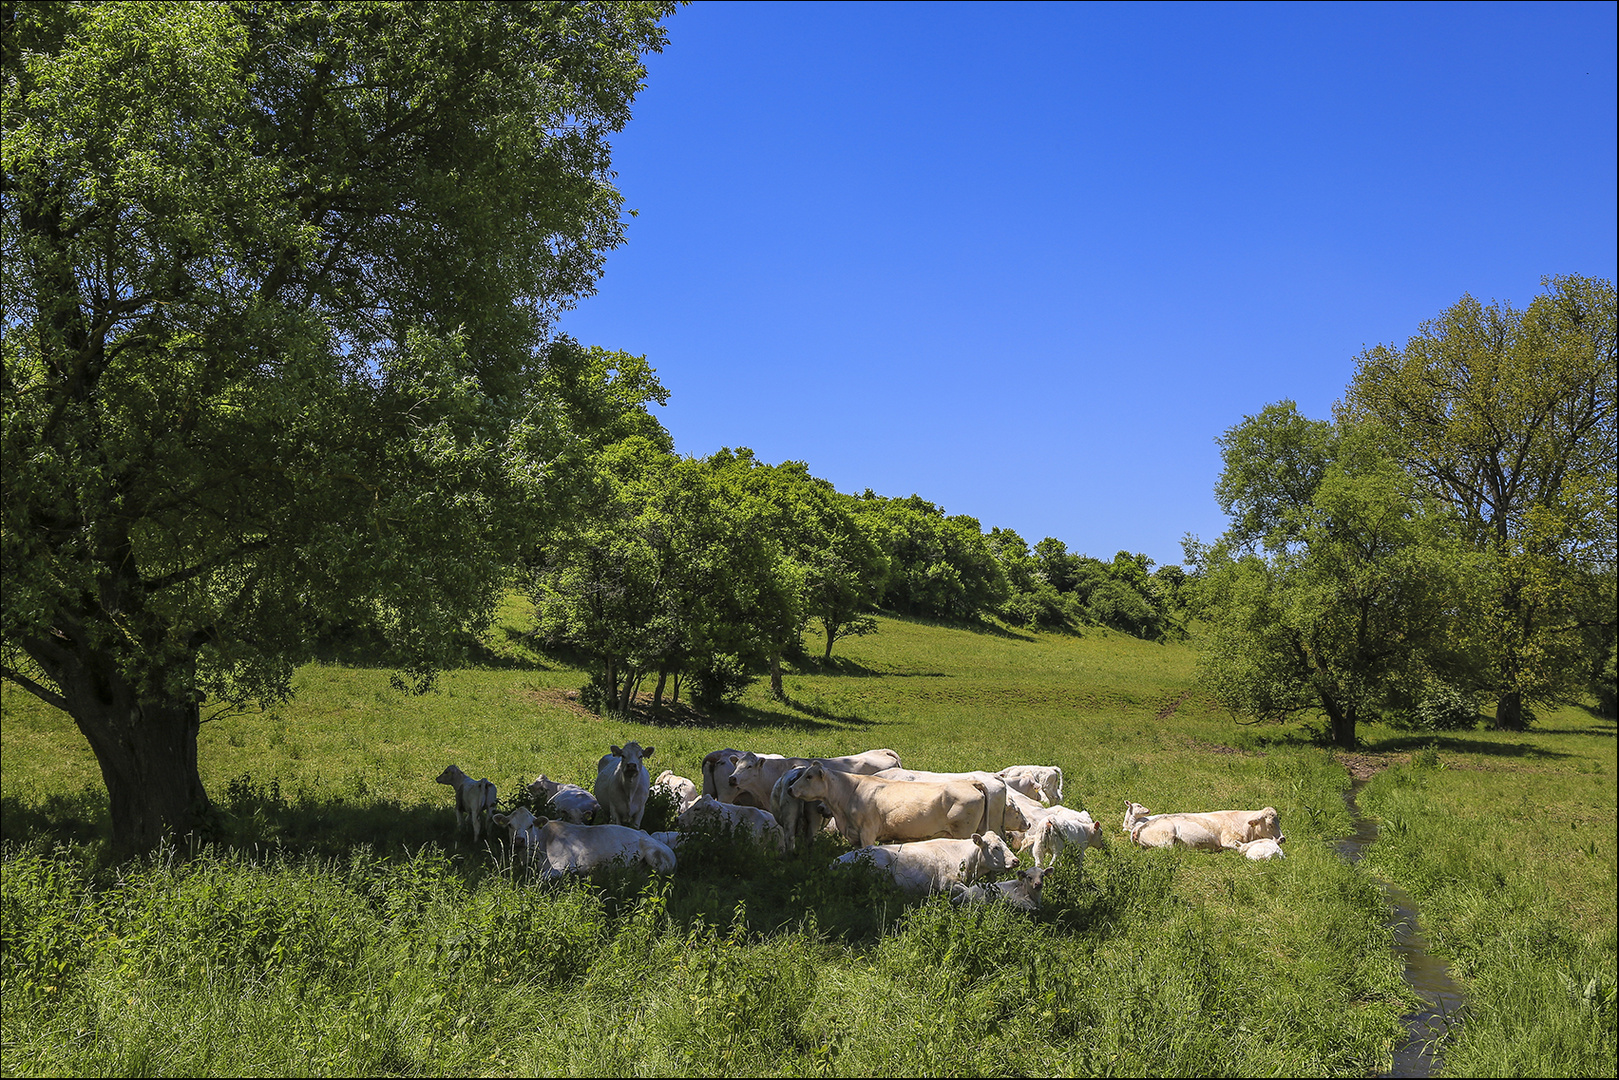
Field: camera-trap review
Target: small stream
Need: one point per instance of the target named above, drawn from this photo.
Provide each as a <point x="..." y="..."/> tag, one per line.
<point x="1425" y="973"/>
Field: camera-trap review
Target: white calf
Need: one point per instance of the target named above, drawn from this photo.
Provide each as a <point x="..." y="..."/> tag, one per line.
<point x="1022" y="892"/>
<point x="474" y="798"/>
<point x="1060" y="828"/>
<point x="800" y="819"/>
<point x="1266" y="848"/>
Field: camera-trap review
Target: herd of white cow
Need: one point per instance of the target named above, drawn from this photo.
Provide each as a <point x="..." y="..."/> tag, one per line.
<point x="928" y="831"/>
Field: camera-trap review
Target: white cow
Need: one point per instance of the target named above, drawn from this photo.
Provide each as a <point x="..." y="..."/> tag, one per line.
<point x="474" y="798"/>
<point x="1059" y="828"/>
<point x="1266" y="848"/>
<point x="564" y="848"/>
<point x="800" y="819"/>
<point x="728" y="817"/>
<point x="572" y="802"/>
<point x="926" y="866"/>
<point x="683" y="791"/>
<point x="1042" y="782"/>
<point x="995" y="792"/>
<point x="622" y="784"/>
<point x="1022" y="892"/>
<point x="869" y="809"/>
<point x="1227" y="827"/>
<point x="755" y="775"/>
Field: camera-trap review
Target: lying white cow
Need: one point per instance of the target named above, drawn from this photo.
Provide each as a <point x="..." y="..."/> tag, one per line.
<point x="869" y="809"/>
<point x="684" y="792"/>
<point x="755" y="775"/>
<point x="926" y="866"/>
<point x="474" y="798"/>
<point x="995" y="793"/>
<point x="1061" y="828"/>
<point x="622" y="784"/>
<point x="572" y="802"/>
<point x="1228" y="828"/>
<point x="563" y="848"/>
<point x="1041" y="782"/>
<point x="728" y="817"/>
<point x="1022" y="892"/>
<point x="1266" y="848"/>
<point x="801" y="820"/>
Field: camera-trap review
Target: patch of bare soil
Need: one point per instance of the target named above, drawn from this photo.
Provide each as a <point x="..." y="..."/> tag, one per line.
<point x="1169" y="710"/>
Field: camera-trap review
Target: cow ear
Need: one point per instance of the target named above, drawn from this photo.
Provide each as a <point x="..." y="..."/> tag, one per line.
<point x="541" y="822"/>
<point x="733" y="759"/>
<point x="646" y="753"/>
<point x="502" y="819"/>
<point x="615" y="751"/>
<point x="978" y="838"/>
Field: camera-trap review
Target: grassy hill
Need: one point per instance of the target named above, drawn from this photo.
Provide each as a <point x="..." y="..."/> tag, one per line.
<point x="342" y="926"/>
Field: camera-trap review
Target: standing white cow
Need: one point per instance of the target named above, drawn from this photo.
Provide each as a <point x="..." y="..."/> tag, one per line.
<point x="801" y="820"/>
<point x="995" y="794"/>
<point x="1061" y="827"/>
<point x="474" y="798"/>
<point x="622" y="784"/>
<point x="753" y="776"/>
<point x="869" y="809"/>
<point x="1042" y="782"/>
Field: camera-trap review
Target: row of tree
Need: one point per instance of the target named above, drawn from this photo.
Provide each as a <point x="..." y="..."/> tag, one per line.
<point x="707" y="572"/>
<point x="1448" y="536"/>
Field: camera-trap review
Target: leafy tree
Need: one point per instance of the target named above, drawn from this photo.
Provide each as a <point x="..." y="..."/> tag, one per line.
<point x="1338" y="597"/>
<point x="662" y="570"/>
<point x="840" y="565"/>
<point x="275" y="286"/>
<point x="1509" y="416"/>
<point x="940" y="567"/>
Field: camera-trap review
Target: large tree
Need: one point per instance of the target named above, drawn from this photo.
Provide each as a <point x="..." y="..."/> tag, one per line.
<point x="1335" y="591"/>
<point x="1509" y="416"/>
<point x="275" y="289"/>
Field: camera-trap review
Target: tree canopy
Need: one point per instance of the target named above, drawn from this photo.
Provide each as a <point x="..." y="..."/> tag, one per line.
<point x="1510" y="417"/>
<point x="276" y="286"/>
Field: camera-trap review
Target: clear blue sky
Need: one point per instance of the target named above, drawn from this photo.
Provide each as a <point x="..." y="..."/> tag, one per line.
<point x="1029" y="261"/>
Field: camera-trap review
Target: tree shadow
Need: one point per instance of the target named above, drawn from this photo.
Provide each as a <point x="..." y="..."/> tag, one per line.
<point x="846" y="667"/>
<point x="973" y="626"/>
<point x="1462" y="744"/>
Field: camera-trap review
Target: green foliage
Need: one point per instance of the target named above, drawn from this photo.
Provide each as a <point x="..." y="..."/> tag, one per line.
<point x="312" y="384"/>
<point x="1510" y="418"/>
<point x="1443" y="708"/>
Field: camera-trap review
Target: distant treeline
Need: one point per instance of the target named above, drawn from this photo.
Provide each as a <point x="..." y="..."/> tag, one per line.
<point x="704" y="573"/>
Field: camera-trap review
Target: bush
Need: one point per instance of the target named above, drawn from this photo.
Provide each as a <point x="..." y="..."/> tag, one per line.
<point x="722" y="680"/>
<point x="1444" y="708"/>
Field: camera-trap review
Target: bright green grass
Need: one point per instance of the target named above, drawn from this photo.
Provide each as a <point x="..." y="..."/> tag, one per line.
<point x="345" y="928"/>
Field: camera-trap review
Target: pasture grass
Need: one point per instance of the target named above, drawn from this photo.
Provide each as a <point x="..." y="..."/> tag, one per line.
<point x="338" y="923"/>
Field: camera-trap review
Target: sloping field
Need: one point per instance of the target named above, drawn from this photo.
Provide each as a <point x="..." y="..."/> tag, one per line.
<point x="341" y="925"/>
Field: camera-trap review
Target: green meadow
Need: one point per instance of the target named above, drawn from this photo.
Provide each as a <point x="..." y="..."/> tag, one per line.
<point x="339" y="924"/>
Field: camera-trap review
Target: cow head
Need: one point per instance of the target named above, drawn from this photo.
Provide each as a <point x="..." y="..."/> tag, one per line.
<point x="993" y="854"/>
<point x="451" y="775"/>
<point x="1134" y="814"/>
<point x="811" y="785"/>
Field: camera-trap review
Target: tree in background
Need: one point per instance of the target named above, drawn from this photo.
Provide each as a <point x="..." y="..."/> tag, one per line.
<point x="1509" y="417"/>
<point x="1335" y="589"/>
<point x="938" y="567"/>
<point x="275" y="286"/>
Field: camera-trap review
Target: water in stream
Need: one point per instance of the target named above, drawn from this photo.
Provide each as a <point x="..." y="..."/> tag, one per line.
<point x="1427" y="974"/>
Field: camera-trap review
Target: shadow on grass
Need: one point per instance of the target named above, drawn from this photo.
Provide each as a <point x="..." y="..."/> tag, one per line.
<point x="1461" y="744"/>
<point x="843" y="666"/>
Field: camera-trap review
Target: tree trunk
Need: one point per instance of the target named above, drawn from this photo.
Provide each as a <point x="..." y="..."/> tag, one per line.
<point x="826" y="657"/>
<point x="1509" y="712"/>
<point x="657" y="694"/>
<point x="147" y="750"/>
<point x="776" y="690"/>
<point x="1342" y="723"/>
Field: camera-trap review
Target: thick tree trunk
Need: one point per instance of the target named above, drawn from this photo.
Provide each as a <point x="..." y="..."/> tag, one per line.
<point x="657" y="694"/>
<point x="1509" y="712"/>
<point x="1341" y="725"/>
<point x="147" y="750"/>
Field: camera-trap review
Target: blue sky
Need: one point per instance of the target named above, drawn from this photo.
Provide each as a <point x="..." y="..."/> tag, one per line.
<point x="1029" y="261"/>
